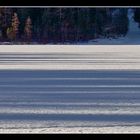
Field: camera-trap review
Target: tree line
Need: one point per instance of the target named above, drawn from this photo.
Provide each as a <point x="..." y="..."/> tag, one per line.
<point x="61" y="25"/>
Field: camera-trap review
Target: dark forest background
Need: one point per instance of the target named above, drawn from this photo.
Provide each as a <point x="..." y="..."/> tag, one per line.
<point x="63" y="25"/>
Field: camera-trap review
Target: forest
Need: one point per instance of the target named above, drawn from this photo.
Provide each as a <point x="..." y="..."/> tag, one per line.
<point x="62" y="25"/>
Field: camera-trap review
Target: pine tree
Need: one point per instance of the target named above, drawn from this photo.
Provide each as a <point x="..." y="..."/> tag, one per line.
<point x="28" y="29"/>
<point x="15" y="25"/>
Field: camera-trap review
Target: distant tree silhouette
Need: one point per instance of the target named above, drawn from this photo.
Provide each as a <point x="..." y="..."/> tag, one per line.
<point x="28" y="29"/>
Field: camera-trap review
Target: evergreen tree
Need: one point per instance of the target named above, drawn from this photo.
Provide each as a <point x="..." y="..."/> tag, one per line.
<point x="15" y="25"/>
<point x="28" y="29"/>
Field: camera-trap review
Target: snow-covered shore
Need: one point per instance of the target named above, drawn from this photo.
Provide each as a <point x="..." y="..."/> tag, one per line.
<point x="70" y="57"/>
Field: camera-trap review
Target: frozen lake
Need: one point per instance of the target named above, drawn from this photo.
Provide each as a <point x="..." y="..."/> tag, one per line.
<point x="69" y="89"/>
<point x="69" y="101"/>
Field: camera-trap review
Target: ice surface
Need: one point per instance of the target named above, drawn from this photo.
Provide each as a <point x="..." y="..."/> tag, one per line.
<point x="61" y="109"/>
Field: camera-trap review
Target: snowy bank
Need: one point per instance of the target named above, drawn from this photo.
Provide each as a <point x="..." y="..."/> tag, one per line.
<point x="70" y="57"/>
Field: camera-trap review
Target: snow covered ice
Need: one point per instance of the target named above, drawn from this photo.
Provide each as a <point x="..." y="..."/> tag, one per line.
<point x="69" y="101"/>
<point x="69" y="89"/>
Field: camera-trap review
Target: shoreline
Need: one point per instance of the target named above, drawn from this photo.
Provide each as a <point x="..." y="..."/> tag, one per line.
<point x="70" y="57"/>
